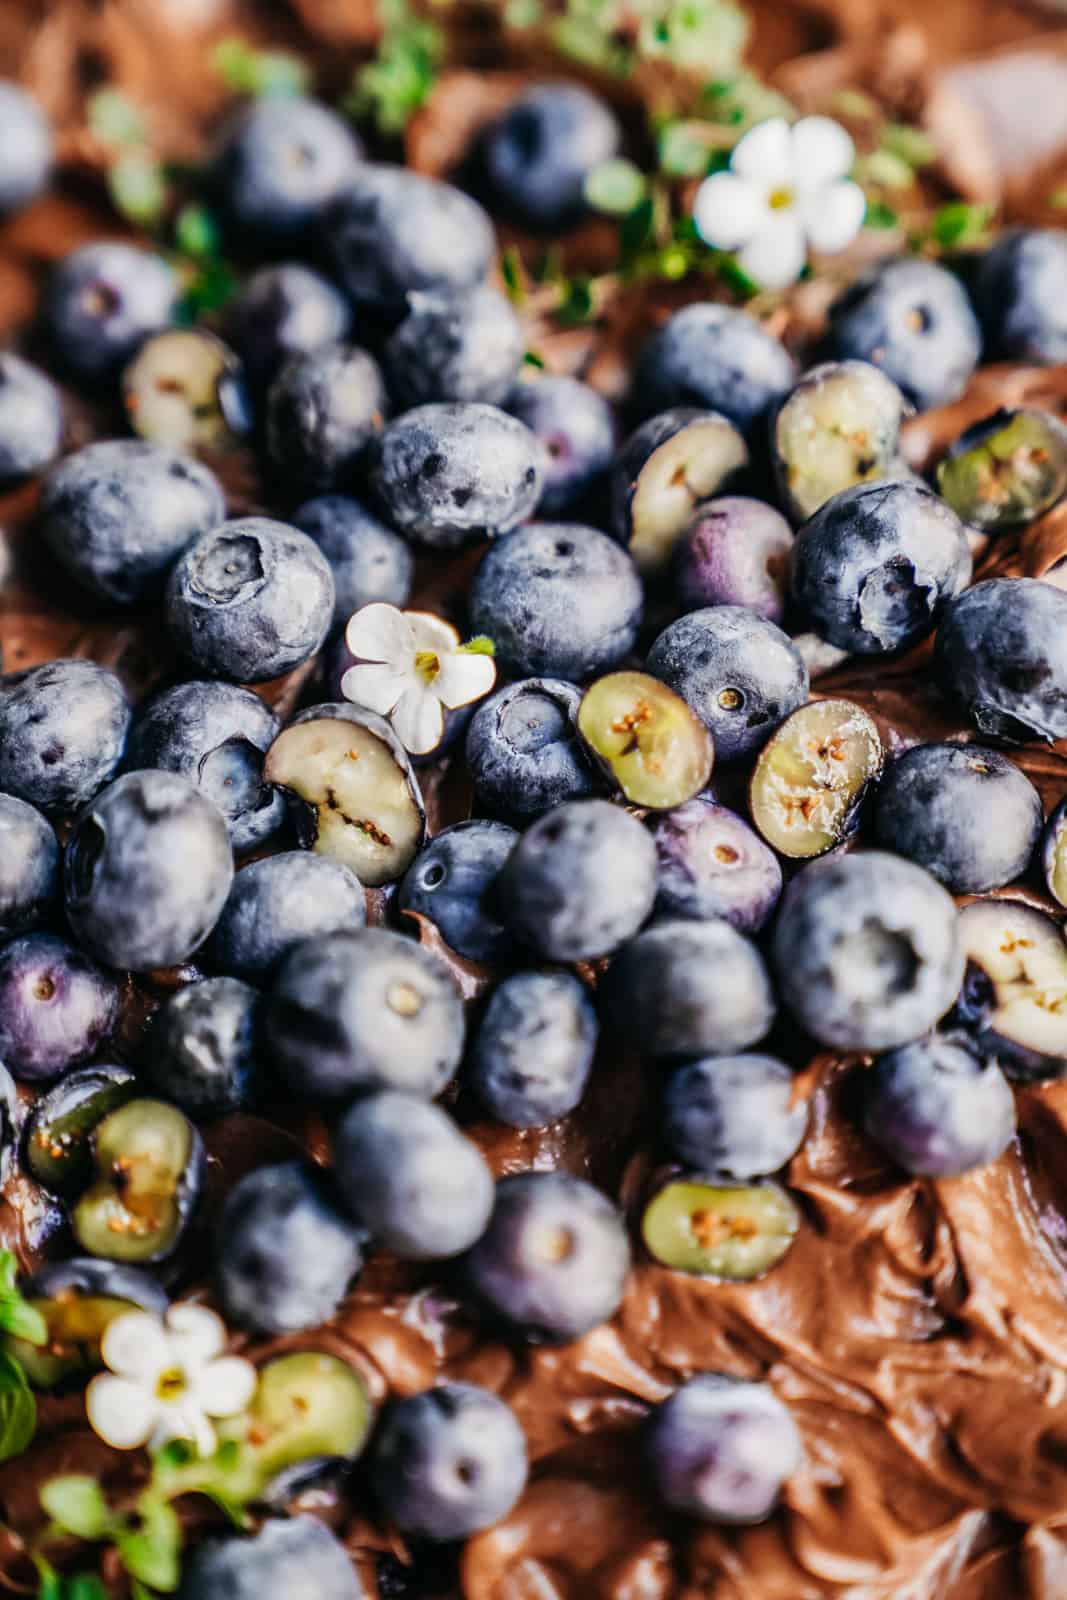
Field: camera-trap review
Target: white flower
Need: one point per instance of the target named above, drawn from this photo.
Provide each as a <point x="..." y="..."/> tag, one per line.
<point x="787" y="188"/>
<point x="167" y="1378"/>
<point x="413" y="666"/>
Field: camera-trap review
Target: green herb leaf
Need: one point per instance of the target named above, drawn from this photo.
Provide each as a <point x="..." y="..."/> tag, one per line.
<point x="577" y="304"/>
<point x="392" y="87"/>
<point x="736" y="277"/>
<point x="615" y="187"/>
<point x="884" y="168"/>
<point x="113" y="117"/>
<point x="152" y="1552"/>
<point x="85" y="1586"/>
<point x="210" y="287"/>
<point x="854" y="103"/>
<point x="910" y="144"/>
<point x="685" y="148"/>
<point x="880" y="216"/>
<point x="636" y="229"/>
<point x="196" y="233"/>
<point x="138" y="187"/>
<point x="18" y="1408"/>
<point x="514" y="275"/>
<point x="258" y="72"/>
<point x="480" y="645"/>
<point x="958" y="224"/>
<point x="17" y="1316"/>
<point x="77" y="1505"/>
<point x="532" y="359"/>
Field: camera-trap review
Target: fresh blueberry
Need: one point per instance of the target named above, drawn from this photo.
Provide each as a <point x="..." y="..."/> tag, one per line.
<point x="31" y="412"/>
<point x="277" y="902"/>
<point x="285" y="1254"/>
<point x="533" y="1052"/>
<point x="1005" y="470"/>
<point x="876" y="565"/>
<point x="663" y="471"/>
<point x="281" y="311"/>
<point x="364" y="1010"/>
<point x="449" y="1461"/>
<point x="63" y="729"/>
<point x="147" y="871"/>
<point x="735" y="552"/>
<point x="576" y="428"/>
<point x="58" y="1139"/>
<point x="1020" y="294"/>
<point x="523" y="750"/>
<point x="720" y="1448"/>
<point x="1001" y="655"/>
<point x="839" y="427"/>
<point x="464" y="344"/>
<point x="867" y="951"/>
<point x="581" y="880"/>
<point x="202" y="1047"/>
<point x="740" y="674"/>
<point x="712" y="864"/>
<point x="1011" y="1002"/>
<point x="100" y="303"/>
<point x="418" y="1185"/>
<point x="938" y="1108"/>
<point x="452" y="883"/>
<point x="56" y="1006"/>
<point x="538" y="155"/>
<point x="26" y="143"/>
<point x="29" y="867"/>
<point x="368" y="560"/>
<point x="323" y="410"/>
<point x="734" y="1116"/>
<point x="911" y="318"/>
<point x="1054" y="853"/>
<point x="288" y="1555"/>
<point x="712" y="356"/>
<point x="558" y="600"/>
<point x="251" y="600"/>
<point x="395" y="232"/>
<point x="279" y="163"/>
<point x="965" y="813"/>
<point x="448" y="473"/>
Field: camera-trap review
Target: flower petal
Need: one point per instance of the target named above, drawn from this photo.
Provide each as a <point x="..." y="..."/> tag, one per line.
<point x="765" y="154"/>
<point x="775" y="257"/>
<point x="136" y="1346"/>
<point x="196" y="1334"/>
<point x="464" y="677"/>
<point x="822" y="151"/>
<point x="121" y="1412"/>
<point x="833" y="215"/>
<point x="376" y="686"/>
<point x="226" y="1386"/>
<point x="728" y="210"/>
<point x="418" y="720"/>
<point x="432" y="633"/>
<point x="380" y="632"/>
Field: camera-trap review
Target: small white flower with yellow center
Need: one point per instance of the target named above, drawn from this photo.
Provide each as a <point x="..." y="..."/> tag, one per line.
<point x="787" y="190"/>
<point x="168" y="1377"/>
<point x="412" y="667"/>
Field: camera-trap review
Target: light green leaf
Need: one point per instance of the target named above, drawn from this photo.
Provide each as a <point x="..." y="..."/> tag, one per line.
<point x="113" y="117"/>
<point x="196" y="233"/>
<point x="138" y="187"/>
<point x="480" y="645"/>
<point x="18" y="1408"/>
<point x="684" y="148"/>
<point x="17" y="1316"/>
<point x="880" y="216"/>
<point x="910" y="144"/>
<point x="77" y="1505"/>
<point x="151" y="1553"/>
<point x="958" y="224"/>
<point x="615" y="187"/>
<point x="85" y="1586"/>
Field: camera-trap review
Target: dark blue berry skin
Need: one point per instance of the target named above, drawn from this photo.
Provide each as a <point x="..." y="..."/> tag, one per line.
<point x="539" y="153"/>
<point x="867" y="951"/>
<point x="523" y="750"/>
<point x="1001" y="655"/>
<point x="101" y="302"/>
<point x="63" y="729"/>
<point x="938" y="1108"/>
<point x="90" y="1276"/>
<point x="277" y="902"/>
<point x="1020" y="294"/>
<point x="689" y="989"/>
<point x="25" y="148"/>
<point x="449" y="1461"/>
<point x="559" y="600"/>
<point x="451" y="472"/>
<point x="452" y="882"/>
<point x="31" y="413"/>
<point x="118" y="514"/>
<point x="581" y="881"/>
<point x="286" y="1555"/>
<point x="735" y="553"/>
<point x="965" y="813"/>
<point x="282" y="311"/>
<point x="720" y="1449"/>
<point x="214" y="734"/>
<point x="323" y="410"/>
<point x="250" y="601"/>
<point x="576" y="427"/>
<point x="418" y="1185"/>
<point x="534" y="1048"/>
<point x="395" y="232"/>
<point x="712" y="864"/>
<point x="715" y="357"/>
<point x="733" y="1116"/>
<point x="740" y="674"/>
<point x="364" y="1010"/>
<point x="285" y="1253"/>
<point x="279" y="162"/>
<point x="463" y="344"/>
<point x="874" y="568"/>
<point x="56" y="1006"/>
<point x="147" y="871"/>
<point x="29" y="867"/>
<point x="202" y="1048"/>
<point x="553" y="1262"/>
<point x="368" y="560"/>
<point x="911" y="318"/>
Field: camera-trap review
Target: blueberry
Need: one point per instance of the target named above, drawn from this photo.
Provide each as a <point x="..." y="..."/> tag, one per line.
<point x="740" y="674"/>
<point x="148" y="1170"/>
<point x="56" y="1006"/>
<point x="735" y="552"/>
<point x="867" y="951"/>
<point x="147" y="871"/>
<point x="715" y="1229"/>
<point x="448" y="473"/>
<point x="1020" y="294"/>
<point x="1001" y="655"/>
<point x="280" y="311"/>
<point x="287" y="1555"/>
<point x="711" y="864"/>
<point x="116" y="515"/>
<point x="452" y="883"/>
<point x="277" y="902"/>
<point x="1007" y="470"/>
<point x="63" y="728"/>
<point x="938" y="1108"/>
<point x="186" y="389"/>
<point x="101" y="301"/>
<point x="31" y="412"/>
<point x="1012" y="1001"/>
<point x="323" y="410"/>
<point x="720" y="1448"/>
<point x="251" y="600"/>
<point x="911" y="318"/>
<point x="576" y="428"/>
<point x="733" y="1116"/>
<point x="59" y="1129"/>
<point x="808" y="786"/>
<point x="29" y="867"/>
<point x="214" y="734"/>
<point x="364" y="1010"/>
<point x="558" y="600"/>
<point x="462" y="344"/>
<point x="662" y="472"/>
<point x="1054" y="853"/>
<point x="285" y="1255"/>
<point x="78" y="1299"/>
<point x="581" y="880"/>
<point x="278" y="163"/>
<point x="523" y="750"/>
<point x="965" y="813"/>
<point x="449" y="1461"/>
<point x="713" y="356"/>
<point x="395" y="232"/>
<point x="533" y="1052"/>
<point x="26" y="142"/>
<point x="368" y="560"/>
<point x="538" y="155"/>
<point x="839" y="427"/>
<point x="653" y="750"/>
<point x="202" y="1047"/>
<point x="554" y="1259"/>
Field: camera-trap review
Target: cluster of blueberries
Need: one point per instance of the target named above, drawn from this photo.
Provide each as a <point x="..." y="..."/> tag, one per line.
<point x="601" y="554"/>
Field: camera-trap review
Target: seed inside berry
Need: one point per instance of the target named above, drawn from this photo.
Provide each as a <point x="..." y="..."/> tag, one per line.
<point x="148" y="1159"/>
<point x="184" y="389"/>
<point x="1006" y="470"/>
<point x="1015" y="990"/>
<point x="723" y="1232"/>
<point x="812" y="775"/>
<point x="839" y="427"/>
<point x="691" y="465"/>
<point x="646" y="739"/>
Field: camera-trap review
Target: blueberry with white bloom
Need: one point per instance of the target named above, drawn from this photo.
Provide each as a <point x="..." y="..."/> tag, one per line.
<point x="720" y="1448"/>
<point x="452" y="882"/>
<point x="540" y="152"/>
<point x="368" y="560"/>
<point x="282" y="311"/>
<point x="29" y="866"/>
<point x="523" y="749"/>
<point x="576" y="427"/>
<point x="938" y="1107"/>
<point x="286" y="1555"/>
<point x="279" y="162"/>
<point x="31" y="415"/>
<point x="63" y="727"/>
<point x="734" y="1116"/>
<point x="101" y="302"/>
<point x="462" y="344"/>
<point x="278" y="901"/>
<point x="26" y="149"/>
<point x="716" y="357"/>
<point x="534" y="1049"/>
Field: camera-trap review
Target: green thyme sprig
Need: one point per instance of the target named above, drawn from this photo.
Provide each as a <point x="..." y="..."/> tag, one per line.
<point x="390" y="89"/>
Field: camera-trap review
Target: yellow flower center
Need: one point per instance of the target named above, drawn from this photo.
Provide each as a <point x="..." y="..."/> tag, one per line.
<point x="170" y="1384"/>
<point x="780" y="199"/>
<point x="427" y="664"/>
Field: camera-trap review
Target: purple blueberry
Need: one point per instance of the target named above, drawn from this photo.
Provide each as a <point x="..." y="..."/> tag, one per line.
<point x="534" y="1048"/>
<point x="523" y="750"/>
<point x="452" y="882"/>
<point x="63" y="729"/>
<point x="938" y="1108"/>
<point x="29" y="867"/>
<point x="1002" y="657"/>
<point x="283" y="311"/>
<point x="277" y="902"/>
<point x="278" y="163"/>
<point x="734" y="1116"/>
<point x="661" y="474"/>
<point x="286" y="1555"/>
<point x="712" y="864"/>
<point x="26" y="149"/>
<point x="720" y="1448"/>
<point x="202" y="1048"/>
<point x="464" y="344"/>
<point x="56" y="1006"/>
<point x="323" y="410"/>
<point x="1054" y="853"/>
<point x="1020" y="294"/>
<point x="712" y="356"/>
<point x="100" y="303"/>
<point x="539" y="153"/>
<point x="735" y="553"/>
<point x="368" y="560"/>
<point x="31" y="411"/>
<point x="576" y="428"/>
